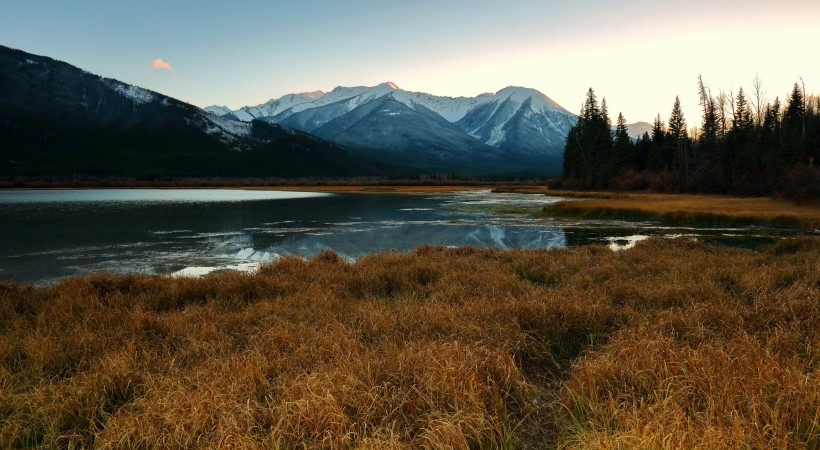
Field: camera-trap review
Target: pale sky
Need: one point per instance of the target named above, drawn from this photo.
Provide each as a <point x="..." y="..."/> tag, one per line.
<point x="638" y="54"/>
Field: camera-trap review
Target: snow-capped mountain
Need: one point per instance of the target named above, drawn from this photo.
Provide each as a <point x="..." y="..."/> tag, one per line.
<point x="520" y="120"/>
<point x="515" y="126"/>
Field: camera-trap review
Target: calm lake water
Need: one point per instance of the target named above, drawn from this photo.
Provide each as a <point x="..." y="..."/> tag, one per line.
<point x="47" y="235"/>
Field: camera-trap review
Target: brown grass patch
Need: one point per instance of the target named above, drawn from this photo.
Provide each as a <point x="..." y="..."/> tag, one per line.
<point x="671" y="344"/>
<point x="690" y="209"/>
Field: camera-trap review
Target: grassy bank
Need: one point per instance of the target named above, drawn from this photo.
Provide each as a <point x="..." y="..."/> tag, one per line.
<point x="688" y="209"/>
<point x="672" y="344"/>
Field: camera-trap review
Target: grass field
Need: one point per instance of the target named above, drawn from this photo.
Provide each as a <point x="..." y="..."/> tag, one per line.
<point x="672" y="344"/>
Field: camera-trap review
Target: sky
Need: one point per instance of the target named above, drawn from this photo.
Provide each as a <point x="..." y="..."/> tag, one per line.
<point x="637" y="54"/>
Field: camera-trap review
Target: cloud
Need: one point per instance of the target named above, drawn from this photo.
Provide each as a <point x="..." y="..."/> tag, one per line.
<point x="160" y="64"/>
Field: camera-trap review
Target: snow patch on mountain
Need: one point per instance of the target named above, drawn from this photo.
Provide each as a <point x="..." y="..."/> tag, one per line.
<point x="497" y="136"/>
<point x="538" y="102"/>
<point x="404" y="98"/>
<point x="451" y="109"/>
<point x="274" y="107"/>
<point x="226" y="130"/>
<point x="218" y="110"/>
<point x="243" y="115"/>
<point x="135" y="94"/>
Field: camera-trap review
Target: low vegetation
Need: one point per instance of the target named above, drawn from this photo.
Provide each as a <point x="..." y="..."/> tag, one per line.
<point x="672" y="344"/>
<point x="677" y="209"/>
<point x="689" y="209"/>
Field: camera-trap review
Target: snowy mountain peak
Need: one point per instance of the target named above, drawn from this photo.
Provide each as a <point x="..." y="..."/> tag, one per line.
<point x="380" y="90"/>
<point x="520" y="94"/>
<point x="295" y="97"/>
<point x="314" y="94"/>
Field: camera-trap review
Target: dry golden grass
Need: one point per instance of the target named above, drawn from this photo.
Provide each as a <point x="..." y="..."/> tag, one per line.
<point x="672" y="344"/>
<point x="689" y="209"/>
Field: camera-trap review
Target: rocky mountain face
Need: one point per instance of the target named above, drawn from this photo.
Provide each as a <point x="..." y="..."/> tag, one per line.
<point x="57" y="119"/>
<point x="515" y="128"/>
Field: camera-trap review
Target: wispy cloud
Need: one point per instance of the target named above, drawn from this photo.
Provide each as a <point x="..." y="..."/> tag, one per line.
<point x="159" y="64"/>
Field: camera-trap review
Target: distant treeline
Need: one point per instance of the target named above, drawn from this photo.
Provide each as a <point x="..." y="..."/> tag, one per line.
<point x="744" y="145"/>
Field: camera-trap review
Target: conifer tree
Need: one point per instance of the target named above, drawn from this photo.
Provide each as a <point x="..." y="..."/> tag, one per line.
<point x="708" y="168"/>
<point x="603" y="146"/>
<point x="796" y="110"/>
<point x="655" y="159"/>
<point x="642" y="151"/>
<point x="623" y="151"/>
<point x="743" y="155"/>
<point x="587" y="152"/>
<point x="678" y="140"/>
<point x="770" y="135"/>
<point x="742" y="120"/>
<point x="793" y="147"/>
<point x="605" y="114"/>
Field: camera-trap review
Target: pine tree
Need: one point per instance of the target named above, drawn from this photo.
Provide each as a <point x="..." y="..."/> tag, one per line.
<point x="587" y="153"/>
<point x="575" y="165"/>
<point x="623" y="151"/>
<point x="603" y="146"/>
<point x="605" y="114"/>
<point x="796" y="110"/>
<point x="742" y="120"/>
<point x="642" y="151"/>
<point x="742" y="152"/>
<point x="770" y="135"/>
<point x="677" y="140"/>
<point x="793" y="149"/>
<point x="655" y="159"/>
<point x="709" y="159"/>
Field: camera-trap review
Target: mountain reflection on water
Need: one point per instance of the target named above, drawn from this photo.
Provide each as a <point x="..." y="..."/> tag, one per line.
<point x="46" y="235"/>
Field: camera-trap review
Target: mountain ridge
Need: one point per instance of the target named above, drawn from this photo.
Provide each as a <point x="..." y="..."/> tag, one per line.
<point x="526" y="127"/>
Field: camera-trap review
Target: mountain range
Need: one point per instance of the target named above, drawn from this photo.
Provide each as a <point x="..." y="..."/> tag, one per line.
<point x="513" y="129"/>
<point x="57" y="119"/>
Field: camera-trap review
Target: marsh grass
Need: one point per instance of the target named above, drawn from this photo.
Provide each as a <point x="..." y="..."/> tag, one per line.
<point x="672" y="344"/>
<point x="687" y="209"/>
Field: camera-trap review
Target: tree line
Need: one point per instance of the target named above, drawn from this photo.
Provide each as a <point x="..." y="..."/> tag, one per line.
<point x="744" y="144"/>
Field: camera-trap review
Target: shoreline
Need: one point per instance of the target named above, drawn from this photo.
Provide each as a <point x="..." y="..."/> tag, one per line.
<point x="342" y="189"/>
<point x="669" y="209"/>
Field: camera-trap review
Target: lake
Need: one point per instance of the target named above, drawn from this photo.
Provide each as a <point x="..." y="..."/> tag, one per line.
<point x="50" y="234"/>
